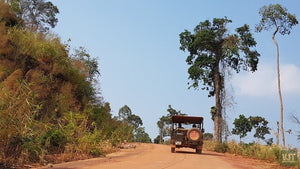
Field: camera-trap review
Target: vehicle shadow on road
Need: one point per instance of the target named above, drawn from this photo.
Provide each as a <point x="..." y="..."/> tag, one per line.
<point x="203" y="153"/>
<point x="212" y="154"/>
<point x="185" y="152"/>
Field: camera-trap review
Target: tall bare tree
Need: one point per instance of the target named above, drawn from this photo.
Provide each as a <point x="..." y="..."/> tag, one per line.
<point x="278" y="17"/>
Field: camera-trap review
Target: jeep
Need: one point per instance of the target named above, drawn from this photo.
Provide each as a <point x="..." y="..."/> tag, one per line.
<point x="187" y="131"/>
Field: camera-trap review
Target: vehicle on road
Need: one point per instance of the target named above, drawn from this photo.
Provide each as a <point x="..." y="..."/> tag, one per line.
<point x="187" y="131"/>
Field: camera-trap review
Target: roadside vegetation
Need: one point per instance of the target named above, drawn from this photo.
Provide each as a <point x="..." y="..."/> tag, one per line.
<point x="50" y="108"/>
<point x="256" y="150"/>
<point x="252" y="150"/>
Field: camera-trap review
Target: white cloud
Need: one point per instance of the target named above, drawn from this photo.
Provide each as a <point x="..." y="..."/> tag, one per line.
<point x="264" y="81"/>
<point x="290" y="79"/>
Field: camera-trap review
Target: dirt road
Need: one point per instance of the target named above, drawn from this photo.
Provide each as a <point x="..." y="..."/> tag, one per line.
<point x="153" y="156"/>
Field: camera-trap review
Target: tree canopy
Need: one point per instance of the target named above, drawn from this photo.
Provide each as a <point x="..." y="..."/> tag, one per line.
<point x="211" y="46"/>
<point x="127" y="116"/>
<point x="260" y="125"/>
<point x="165" y="121"/>
<point x="124" y="113"/>
<point x="36" y="14"/>
<point x="241" y="126"/>
<point x="142" y="136"/>
<point x="135" y="122"/>
<point x="276" y="16"/>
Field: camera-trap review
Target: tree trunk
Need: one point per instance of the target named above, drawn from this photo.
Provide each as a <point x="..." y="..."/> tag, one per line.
<point x="160" y="138"/>
<point x="279" y="88"/>
<point x="277" y="136"/>
<point x="217" y="118"/>
<point x="276" y="133"/>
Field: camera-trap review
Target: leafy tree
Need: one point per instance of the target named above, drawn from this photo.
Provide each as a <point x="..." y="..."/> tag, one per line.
<point x="142" y="136"/>
<point x="173" y="112"/>
<point x="165" y="121"/>
<point x="210" y="45"/>
<point x="124" y="113"/>
<point x="260" y="126"/>
<point x="88" y="65"/>
<point x="162" y="126"/>
<point x="242" y="126"/>
<point x="132" y="120"/>
<point x="36" y="14"/>
<point x="276" y="16"/>
<point x="135" y="121"/>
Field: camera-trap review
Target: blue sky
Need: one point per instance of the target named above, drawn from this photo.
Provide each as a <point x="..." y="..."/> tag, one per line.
<point x="137" y="45"/>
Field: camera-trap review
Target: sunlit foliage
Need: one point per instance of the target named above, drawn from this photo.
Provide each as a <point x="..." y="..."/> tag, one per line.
<point x="48" y="100"/>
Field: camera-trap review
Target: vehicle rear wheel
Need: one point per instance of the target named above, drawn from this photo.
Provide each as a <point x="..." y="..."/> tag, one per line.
<point x="172" y="150"/>
<point x="199" y="150"/>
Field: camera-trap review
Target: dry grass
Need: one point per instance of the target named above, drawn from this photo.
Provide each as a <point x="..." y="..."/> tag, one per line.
<point x="252" y="150"/>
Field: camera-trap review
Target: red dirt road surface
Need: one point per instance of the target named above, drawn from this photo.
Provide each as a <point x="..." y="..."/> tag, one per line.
<point x="154" y="156"/>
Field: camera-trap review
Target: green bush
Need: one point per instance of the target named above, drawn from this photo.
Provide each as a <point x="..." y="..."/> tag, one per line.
<point x="58" y="139"/>
<point x="55" y="141"/>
